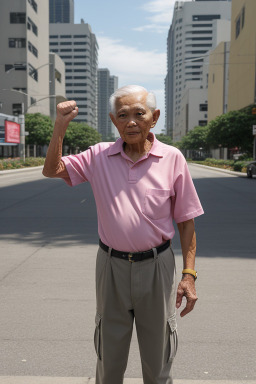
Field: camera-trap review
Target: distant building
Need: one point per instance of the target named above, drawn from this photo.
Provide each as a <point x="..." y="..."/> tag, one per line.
<point x="106" y="86"/>
<point x="197" y="27"/>
<point x="242" y="59"/>
<point x="78" y="48"/>
<point x="24" y="66"/>
<point x="61" y="11"/>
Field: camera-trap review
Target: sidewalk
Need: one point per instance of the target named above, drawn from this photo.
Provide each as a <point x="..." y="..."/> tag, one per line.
<point x="239" y="174"/>
<point x="13" y="171"/>
<point x="88" y="380"/>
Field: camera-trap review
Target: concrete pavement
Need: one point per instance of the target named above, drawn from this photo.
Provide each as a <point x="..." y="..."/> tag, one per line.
<point x="88" y="380"/>
<point x="47" y="259"/>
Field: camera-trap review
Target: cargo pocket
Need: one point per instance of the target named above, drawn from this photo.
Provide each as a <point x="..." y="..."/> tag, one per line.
<point x="97" y="335"/>
<point x="173" y="337"/>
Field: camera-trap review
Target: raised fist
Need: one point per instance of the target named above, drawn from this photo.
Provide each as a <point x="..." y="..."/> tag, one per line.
<point x="66" y="111"/>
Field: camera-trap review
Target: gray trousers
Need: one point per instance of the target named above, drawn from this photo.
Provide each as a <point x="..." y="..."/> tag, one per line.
<point x="143" y="291"/>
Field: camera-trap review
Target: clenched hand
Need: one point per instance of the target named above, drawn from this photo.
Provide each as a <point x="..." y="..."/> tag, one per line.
<point x="186" y="288"/>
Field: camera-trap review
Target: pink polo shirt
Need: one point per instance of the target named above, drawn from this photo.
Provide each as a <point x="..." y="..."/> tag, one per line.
<point x="136" y="202"/>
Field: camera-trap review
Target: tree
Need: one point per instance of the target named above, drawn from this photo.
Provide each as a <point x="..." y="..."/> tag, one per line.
<point x="81" y="136"/>
<point x="233" y="129"/>
<point x="195" y="139"/>
<point x="40" y="129"/>
<point x="164" y="138"/>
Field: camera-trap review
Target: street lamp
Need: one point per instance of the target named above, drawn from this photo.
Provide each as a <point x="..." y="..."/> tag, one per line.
<point x="59" y="98"/>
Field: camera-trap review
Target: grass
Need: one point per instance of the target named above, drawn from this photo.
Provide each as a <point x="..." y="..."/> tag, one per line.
<point x="232" y="165"/>
<point x="16" y="163"/>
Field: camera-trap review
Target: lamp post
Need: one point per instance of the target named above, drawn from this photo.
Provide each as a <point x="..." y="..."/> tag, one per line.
<point x="22" y="116"/>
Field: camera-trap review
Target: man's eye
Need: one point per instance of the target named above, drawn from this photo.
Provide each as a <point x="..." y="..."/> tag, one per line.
<point x="121" y="115"/>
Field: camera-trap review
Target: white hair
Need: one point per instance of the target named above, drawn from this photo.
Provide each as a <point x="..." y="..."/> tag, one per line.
<point x="129" y="89"/>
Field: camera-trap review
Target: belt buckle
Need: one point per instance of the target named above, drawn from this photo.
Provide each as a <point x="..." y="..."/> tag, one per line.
<point x="130" y="256"/>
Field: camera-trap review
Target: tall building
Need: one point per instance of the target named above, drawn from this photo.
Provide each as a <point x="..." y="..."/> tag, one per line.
<point x="106" y="86"/>
<point x="61" y="11"/>
<point x="78" y="48"/>
<point x="197" y="27"/>
<point x="242" y="62"/>
<point x="24" y="66"/>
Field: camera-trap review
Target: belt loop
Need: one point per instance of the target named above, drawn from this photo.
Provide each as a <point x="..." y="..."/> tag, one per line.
<point x="109" y="251"/>
<point x="155" y="253"/>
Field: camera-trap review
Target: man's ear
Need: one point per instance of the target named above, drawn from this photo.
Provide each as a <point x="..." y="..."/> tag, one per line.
<point x="112" y="117"/>
<point x="156" y="115"/>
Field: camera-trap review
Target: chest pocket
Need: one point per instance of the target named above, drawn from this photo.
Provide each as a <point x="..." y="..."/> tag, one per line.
<point x="157" y="203"/>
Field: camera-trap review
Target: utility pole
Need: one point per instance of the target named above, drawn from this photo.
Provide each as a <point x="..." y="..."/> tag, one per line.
<point x="22" y="134"/>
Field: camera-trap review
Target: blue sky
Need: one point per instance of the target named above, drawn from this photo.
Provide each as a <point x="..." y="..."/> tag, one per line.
<point x="132" y="38"/>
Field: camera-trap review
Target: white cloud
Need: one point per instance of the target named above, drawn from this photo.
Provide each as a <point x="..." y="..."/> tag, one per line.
<point x="130" y="64"/>
<point x="161" y="15"/>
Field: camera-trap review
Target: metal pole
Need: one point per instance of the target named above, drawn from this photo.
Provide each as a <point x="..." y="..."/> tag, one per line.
<point x="22" y="134"/>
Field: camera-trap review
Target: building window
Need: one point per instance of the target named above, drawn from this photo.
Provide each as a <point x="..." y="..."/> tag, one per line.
<point x="238" y="22"/>
<point x="33" y="4"/>
<point x="66" y="43"/>
<point x="58" y="76"/>
<point x="17" y="18"/>
<point x="66" y="50"/>
<point x="68" y="70"/>
<point x="55" y="50"/>
<point x="31" y="26"/>
<point x="17" y="43"/>
<point x="20" y="89"/>
<point x="33" y="72"/>
<point x="80" y="50"/>
<point x="32" y="49"/>
<point x="65" y="57"/>
<point x="80" y="43"/>
<point x="205" y="17"/>
<point x="54" y="36"/>
<point x="65" y="36"/>
<point x="17" y="109"/>
<point x="53" y="43"/>
<point x="243" y="15"/>
<point x="202" y="123"/>
<point x="201" y="25"/>
<point x="203" y="107"/>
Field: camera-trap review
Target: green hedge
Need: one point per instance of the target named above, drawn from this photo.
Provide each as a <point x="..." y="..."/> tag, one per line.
<point x="233" y="165"/>
<point x="18" y="163"/>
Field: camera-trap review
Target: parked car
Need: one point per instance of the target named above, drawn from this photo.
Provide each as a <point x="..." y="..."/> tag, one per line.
<point x="251" y="169"/>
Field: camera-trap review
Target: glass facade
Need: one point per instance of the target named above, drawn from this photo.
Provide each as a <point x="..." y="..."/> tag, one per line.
<point x="61" y="11"/>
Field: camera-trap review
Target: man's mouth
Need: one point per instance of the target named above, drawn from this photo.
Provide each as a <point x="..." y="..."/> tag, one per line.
<point x="132" y="133"/>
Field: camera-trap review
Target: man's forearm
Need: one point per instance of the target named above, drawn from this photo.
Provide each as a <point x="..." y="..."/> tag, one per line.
<point x="188" y="243"/>
<point x="53" y="165"/>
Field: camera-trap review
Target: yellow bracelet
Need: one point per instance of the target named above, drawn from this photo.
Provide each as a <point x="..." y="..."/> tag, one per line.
<point x="190" y="272"/>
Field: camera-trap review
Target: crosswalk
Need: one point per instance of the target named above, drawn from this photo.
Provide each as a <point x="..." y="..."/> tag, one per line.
<point x="88" y="380"/>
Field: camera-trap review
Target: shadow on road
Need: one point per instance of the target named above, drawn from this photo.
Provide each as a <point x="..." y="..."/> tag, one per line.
<point x="49" y="212"/>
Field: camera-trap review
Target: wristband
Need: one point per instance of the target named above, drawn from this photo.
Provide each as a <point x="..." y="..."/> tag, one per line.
<point x="190" y="272"/>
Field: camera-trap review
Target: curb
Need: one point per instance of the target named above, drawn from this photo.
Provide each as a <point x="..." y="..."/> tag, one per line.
<point x="27" y="169"/>
<point x="239" y="174"/>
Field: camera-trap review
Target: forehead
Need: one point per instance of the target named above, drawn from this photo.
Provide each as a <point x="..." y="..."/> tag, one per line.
<point x="133" y="100"/>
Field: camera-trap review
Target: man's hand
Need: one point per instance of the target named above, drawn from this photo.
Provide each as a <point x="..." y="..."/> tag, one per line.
<point x="186" y="288"/>
<point x="66" y="112"/>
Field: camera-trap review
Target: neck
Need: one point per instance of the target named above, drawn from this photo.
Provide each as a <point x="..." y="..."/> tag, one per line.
<point x="136" y="151"/>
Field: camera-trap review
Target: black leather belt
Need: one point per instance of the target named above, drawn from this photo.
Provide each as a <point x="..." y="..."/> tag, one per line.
<point x="135" y="256"/>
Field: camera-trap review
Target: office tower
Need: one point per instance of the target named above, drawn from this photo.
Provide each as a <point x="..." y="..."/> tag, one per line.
<point x="61" y="11"/>
<point x="197" y="27"/>
<point x="106" y="86"/>
<point x="24" y="66"/>
<point x="78" y="48"/>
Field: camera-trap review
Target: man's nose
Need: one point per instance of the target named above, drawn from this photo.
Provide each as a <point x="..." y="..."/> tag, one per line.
<point x="131" y="123"/>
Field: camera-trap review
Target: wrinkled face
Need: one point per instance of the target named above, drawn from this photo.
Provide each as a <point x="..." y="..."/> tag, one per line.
<point x="133" y="118"/>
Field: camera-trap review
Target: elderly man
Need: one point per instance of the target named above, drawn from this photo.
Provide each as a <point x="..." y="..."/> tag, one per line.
<point x="140" y="186"/>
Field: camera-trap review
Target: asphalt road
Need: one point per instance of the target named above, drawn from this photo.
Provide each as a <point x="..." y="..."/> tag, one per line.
<point x="48" y="234"/>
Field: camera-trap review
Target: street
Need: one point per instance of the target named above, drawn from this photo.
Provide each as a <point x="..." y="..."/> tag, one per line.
<point x="48" y="235"/>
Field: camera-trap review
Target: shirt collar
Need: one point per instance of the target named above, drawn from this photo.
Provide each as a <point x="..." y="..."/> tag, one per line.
<point x="155" y="150"/>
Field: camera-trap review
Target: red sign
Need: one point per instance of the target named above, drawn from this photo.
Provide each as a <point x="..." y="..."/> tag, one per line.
<point x="12" y="132"/>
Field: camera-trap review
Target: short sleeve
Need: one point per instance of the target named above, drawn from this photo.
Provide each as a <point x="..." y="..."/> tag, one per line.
<point x="79" y="167"/>
<point x="185" y="203"/>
